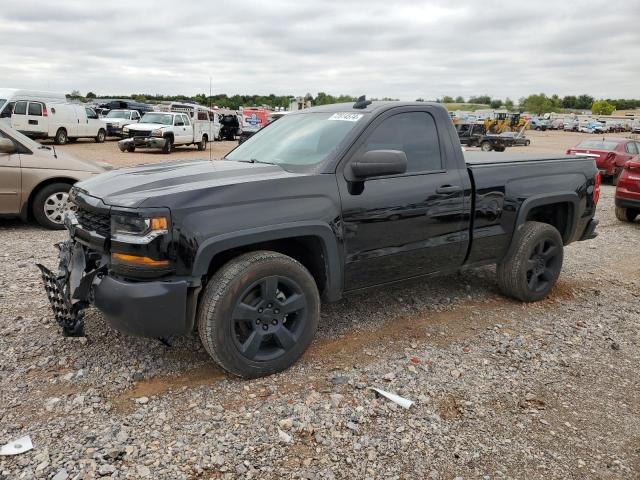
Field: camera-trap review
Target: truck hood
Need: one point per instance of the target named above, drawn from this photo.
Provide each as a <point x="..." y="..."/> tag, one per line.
<point x="118" y="121"/>
<point x="153" y="183"/>
<point x="146" y="126"/>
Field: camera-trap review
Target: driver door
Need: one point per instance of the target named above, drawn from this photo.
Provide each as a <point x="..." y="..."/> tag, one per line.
<point x="402" y="226"/>
<point x="10" y="182"/>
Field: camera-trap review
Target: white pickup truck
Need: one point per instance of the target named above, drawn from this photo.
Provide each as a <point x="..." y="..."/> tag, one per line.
<point x="166" y="130"/>
<point x="117" y="119"/>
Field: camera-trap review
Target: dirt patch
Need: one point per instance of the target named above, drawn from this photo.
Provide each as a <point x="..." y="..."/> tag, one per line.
<point x="204" y="375"/>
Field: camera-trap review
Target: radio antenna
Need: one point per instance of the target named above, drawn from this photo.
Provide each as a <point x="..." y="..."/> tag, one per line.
<point x="210" y="146"/>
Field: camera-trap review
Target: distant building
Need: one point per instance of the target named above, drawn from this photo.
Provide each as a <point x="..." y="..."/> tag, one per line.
<point x="299" y="103"/>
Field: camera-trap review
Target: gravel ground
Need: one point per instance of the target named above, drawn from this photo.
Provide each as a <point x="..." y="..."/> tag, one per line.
<point x="501" y="389"/>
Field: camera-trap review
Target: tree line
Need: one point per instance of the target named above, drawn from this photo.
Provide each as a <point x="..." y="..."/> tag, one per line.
<point x="541" y="103"/>
<point x="537" y="103"/>
<point x="222" y="100"/>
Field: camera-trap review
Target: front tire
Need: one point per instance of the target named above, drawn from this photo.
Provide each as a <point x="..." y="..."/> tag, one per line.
<point x="626" y="214"/>
<point x="258" y="314"/>
<point x="49" y="205"/>
<point x="486" y="146"/>
<point x="168" y="146"/>
<point x="102" y="135"/>
<point x="529" y="272"/>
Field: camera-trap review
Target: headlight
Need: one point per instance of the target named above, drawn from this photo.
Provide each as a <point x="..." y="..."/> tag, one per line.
<point x="156" y="133"/>
<point x="125" y="130"/>
<point x="135" y="229"/>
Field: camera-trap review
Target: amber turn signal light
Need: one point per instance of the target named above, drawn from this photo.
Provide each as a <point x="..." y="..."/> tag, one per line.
<point x="138" y="260"/>
<point x="159" y="223"/>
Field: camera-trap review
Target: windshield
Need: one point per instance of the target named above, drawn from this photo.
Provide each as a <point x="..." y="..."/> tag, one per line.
<point x="598" y="145"/>
<point x="157" y="118"/>
<point x="2" y="102"/>
<point x="118" y="114"/>
<point x="302" y="140"/>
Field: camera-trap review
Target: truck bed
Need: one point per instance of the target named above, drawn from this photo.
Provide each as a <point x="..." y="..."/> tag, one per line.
<point x="488" y="158"/>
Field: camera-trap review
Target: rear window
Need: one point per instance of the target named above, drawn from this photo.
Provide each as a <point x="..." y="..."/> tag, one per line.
<point x="597" y="145"/>
<point x="35" y="109"/>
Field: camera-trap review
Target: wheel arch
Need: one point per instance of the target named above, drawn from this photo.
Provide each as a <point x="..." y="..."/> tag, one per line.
<point x="560" y="210"/>
<point x="312" y="244"/>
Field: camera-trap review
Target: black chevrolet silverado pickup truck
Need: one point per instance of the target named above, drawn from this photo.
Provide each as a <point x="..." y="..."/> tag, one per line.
<point x="323" y="202"/>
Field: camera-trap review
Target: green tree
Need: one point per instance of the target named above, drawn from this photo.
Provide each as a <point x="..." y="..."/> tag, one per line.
<point x="584" y="102"/>
<point x="90" y="95"/>
<point x="569" y="101"/>
<point x="483" y="99"/>
<point x="495" y="103"/>
<point x="508" y="103"/>
<point x="446" y="99"/>
<point x="538" y="104"/>
<point x="602" y="107"/>
<point x="459" y="99"/>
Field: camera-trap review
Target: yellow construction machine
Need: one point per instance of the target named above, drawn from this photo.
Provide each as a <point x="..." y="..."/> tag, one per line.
<point x="504" y="122"/>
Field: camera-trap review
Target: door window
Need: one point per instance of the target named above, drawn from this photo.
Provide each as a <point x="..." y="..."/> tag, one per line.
<point x="20" y="108"/>
<point x="6" y="113"/>
<point x="90" y="113"/>
<point x="35" y="109"/>
<point x="415" y="134"/>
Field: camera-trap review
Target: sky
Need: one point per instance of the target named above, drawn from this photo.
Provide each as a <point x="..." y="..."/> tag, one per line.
<point x="401" y="49"/>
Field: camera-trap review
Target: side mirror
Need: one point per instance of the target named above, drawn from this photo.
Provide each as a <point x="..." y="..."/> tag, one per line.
<point x="7" y="146"/>
<point x="379" y="162"/>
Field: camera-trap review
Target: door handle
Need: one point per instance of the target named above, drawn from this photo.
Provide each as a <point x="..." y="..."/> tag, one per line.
<point x="449" y="189"/>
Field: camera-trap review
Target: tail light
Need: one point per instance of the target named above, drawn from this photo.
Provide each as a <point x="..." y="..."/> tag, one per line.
<point x="596" y="188"/>
<point x="568" y="151"/>
<point x="44" y="111"/>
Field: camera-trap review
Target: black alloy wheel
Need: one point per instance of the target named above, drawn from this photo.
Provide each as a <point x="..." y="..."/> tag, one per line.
<point x="543" y="266"/>
<point x="268" y="318"/>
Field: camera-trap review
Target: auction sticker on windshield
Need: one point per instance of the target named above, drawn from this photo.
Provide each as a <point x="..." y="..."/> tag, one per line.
<point x="346" y="116"/>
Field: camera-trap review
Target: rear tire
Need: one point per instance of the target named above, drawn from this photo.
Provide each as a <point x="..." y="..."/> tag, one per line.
<point x="529" y="272"/>
<point x="202" y="145"/>
<point x="61" y="137"/>
<point x="101" y="136"/>
<point x="616" y="176"/>
<point x="527" y="143"/>
<point x="131" y="148"/>
<point x="49" y="204"/>
<point x="626" y="214"/>
<point x="258" y="314"/>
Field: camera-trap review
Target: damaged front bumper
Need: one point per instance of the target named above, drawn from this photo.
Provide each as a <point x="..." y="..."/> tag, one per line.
<point x="70" y="290"/>
<point x="156" y="309"/>
<point x="142" y="142"/>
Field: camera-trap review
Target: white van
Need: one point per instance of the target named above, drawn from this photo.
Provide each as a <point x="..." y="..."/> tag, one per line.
<point x="9" y="96"/>
<point x="63" y="122"/>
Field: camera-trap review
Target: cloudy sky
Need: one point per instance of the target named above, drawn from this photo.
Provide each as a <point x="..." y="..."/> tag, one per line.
<point x="404" y="49"/>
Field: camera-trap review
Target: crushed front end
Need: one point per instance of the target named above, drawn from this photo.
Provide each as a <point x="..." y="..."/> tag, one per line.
<point x="119" y="260"/>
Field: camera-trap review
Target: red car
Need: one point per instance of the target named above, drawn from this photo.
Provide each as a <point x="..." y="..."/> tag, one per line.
<point x="609" y="153"/>
<point x="628" y="192"/>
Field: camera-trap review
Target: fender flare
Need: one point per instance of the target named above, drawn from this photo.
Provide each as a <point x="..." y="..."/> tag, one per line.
<point x="544" y="199"/>
<point x="328" y="239"/>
